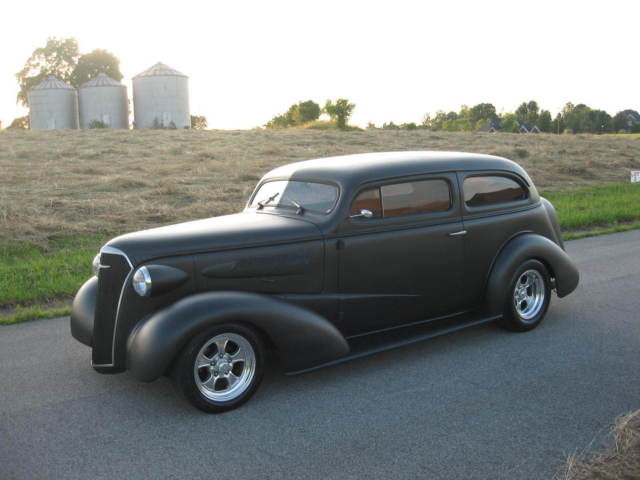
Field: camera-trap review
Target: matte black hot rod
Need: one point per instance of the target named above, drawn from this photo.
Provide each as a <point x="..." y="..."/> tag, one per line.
<point x="332" y="259"/>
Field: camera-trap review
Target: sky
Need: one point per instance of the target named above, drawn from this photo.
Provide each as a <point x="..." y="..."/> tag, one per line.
<point x="395" y="60"/>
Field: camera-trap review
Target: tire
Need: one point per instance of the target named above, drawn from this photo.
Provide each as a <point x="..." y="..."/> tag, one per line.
<point x="528" y="297"/>
<point x="215" y="383"/>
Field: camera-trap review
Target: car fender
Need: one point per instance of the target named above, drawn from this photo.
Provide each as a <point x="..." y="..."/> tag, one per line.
<point x="518" y="250"/>
<point x="302" y="337"/>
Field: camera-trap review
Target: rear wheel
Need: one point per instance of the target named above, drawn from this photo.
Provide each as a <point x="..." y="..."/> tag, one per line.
<point x="528" y="298"/>
<point x="221" y="368"/>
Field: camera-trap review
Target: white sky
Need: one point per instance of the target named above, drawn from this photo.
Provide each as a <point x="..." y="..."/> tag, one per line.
<point x="249" y="60"/>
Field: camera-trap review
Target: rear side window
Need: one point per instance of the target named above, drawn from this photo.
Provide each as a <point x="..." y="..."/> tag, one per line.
<point x="368" y="200"/>
<point x="415" y="197"/>
<point x="491" y="189"/>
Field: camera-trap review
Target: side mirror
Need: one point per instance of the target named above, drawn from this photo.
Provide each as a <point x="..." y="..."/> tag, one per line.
<point x="363" y="214"/>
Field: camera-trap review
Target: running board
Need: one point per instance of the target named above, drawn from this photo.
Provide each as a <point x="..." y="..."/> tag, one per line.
<point x="364" y="346"/>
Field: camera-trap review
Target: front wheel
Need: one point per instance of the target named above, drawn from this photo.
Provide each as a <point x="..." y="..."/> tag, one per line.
<point x="221" y="368"/>
<point x="528" y="297"/>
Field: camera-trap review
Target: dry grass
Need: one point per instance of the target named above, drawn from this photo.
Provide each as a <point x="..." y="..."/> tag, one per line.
<point x="621" y="460"/>
<point x="104" y="183"/>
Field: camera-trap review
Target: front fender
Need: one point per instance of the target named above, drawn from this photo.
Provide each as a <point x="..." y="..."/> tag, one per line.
<point x="303" y="338"/>
<point x="522" y="248"/>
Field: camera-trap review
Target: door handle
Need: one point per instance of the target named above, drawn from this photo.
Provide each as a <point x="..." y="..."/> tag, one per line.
<point x="458" y="233"/>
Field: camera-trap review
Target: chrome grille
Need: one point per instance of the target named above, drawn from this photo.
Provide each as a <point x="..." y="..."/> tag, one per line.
<point x="111" y="283"/>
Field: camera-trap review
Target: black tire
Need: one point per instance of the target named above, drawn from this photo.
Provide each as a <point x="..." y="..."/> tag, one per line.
<point x="526" y="314"/>
<point x="205" y="393"/>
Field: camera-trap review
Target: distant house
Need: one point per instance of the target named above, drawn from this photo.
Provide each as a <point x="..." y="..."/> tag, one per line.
<point x="633" y="118"/>
<point x="491" y="126"/>
<point x="524" y="128"/>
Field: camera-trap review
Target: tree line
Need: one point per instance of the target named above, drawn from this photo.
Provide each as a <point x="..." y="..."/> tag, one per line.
<point x="61" y="57"/>
<point x="306" y="113"/>
<point x="571" y="119"/>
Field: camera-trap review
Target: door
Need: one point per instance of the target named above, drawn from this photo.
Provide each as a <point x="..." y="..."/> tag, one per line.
<point x="405" y="262"/>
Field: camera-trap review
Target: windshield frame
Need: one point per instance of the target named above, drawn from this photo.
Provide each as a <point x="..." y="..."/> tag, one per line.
<point x="329" y="211"/>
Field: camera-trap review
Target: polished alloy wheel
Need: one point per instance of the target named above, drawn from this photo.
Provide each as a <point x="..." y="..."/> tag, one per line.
<point x="224" y="367"/>
<point x="529" y="294"/>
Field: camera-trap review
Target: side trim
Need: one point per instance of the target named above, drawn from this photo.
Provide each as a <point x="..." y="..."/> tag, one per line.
<point x="407" y="325"/>
<point x="409" y="340"/>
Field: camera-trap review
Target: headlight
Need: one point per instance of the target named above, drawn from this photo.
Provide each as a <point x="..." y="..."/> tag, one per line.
<point x="142" y="282"/>
<point x="95" y="265"/>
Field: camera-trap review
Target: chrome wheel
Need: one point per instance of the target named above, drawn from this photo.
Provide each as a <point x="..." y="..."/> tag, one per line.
<point x="529" y="294"/>
<point x="225" y="367"/>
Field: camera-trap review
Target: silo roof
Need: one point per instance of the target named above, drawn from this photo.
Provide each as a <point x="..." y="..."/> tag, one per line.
<point x="52" y="82"/>
<point x="102" y="80"/>
<point x="160" y="70"/>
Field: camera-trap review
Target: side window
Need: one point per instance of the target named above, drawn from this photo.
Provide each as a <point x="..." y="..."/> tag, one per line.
<point x="415" y="197"/>
<point x="490" y="189"/>
<point x="368" y="200"/>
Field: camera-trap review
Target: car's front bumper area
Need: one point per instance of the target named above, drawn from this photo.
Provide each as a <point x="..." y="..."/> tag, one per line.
<point x="83" y="312"/>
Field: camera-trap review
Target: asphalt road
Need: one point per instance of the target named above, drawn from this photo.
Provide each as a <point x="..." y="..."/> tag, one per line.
<point x="478" y="404"/>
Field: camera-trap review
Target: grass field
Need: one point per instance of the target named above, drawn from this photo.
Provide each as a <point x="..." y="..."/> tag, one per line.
<point x="62" y="194"/>
<point x="619" y="459"/>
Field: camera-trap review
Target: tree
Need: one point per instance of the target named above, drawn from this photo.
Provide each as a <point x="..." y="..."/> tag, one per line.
<point x="279" y="121"/>
<point x="623" y="121"/>
<point x="340" y="111"/>
<point x="297" y="115"/>
<point x="19" y="123"/>
<point x="304" y="112"/>
<point x="599" y="121"/>
<point x="582" y="119"/>
<point x="91" y="64"/>
<point x="58" y="57"/>
<point x="509" y="123"/>
<point x="198" y="122"/>
<point x="528" y="112"/>
<point x="558" y="123"/>
<point x="482" y="112"/>
<point x="545" y="124"/>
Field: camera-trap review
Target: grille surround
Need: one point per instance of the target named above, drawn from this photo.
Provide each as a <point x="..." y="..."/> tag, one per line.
<point x="112" y="283"/>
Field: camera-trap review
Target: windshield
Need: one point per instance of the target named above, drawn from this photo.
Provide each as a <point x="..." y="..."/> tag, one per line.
<point x="317" y="197"/>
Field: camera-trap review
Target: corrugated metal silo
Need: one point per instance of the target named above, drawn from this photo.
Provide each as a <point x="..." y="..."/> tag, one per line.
<point x="53" y="105"/>
<point x="103" y="99"/>
<point x="161" y="98"/>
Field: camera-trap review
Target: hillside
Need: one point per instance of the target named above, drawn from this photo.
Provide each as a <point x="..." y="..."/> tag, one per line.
<point x="104" y="183"/>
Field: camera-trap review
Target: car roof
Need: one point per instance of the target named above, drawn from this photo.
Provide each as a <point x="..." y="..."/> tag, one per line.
<point x="352" y="170"/>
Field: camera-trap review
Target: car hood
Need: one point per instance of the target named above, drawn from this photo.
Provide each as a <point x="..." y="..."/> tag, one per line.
<point x="247" y="229"/>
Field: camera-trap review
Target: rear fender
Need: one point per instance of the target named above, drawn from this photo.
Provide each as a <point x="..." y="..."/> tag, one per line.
<point x="302" y="338"/>
<point x="518" y="250"/>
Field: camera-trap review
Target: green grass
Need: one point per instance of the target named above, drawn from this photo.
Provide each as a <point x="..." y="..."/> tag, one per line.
<point x="29" y="273"/>
<point x="24" y="314"/>
<point x="39" y="283"/>
<point x="597" y="208"/>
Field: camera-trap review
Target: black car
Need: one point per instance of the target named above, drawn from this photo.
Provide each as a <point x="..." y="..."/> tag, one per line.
<point x="332" y="259"/>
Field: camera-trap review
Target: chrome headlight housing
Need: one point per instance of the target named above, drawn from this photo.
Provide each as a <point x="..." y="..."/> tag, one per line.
<point x="141" y="282"/>
<point x="95" y="265"/>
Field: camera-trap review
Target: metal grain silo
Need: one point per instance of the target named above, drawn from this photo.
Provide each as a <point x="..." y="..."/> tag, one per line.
<point x="103" y="99"/>
<point x="53" y="105"/>
<point x="161" y="98"/>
